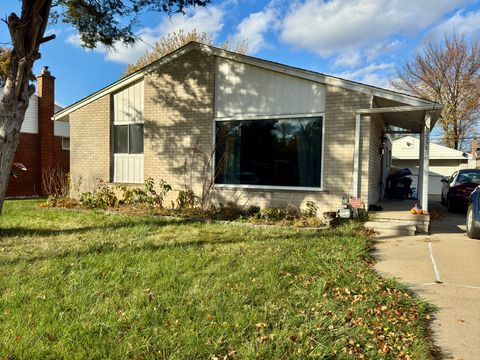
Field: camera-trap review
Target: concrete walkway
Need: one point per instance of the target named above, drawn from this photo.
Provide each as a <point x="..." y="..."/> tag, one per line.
<point x="444" y="269"/>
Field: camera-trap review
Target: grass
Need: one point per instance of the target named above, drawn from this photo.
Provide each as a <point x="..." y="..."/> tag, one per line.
<point x="77" y="284"/>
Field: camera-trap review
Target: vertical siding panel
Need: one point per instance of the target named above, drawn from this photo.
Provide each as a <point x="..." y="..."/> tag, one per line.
<point x="129" y="108"/>
<point x="263" y="92"/>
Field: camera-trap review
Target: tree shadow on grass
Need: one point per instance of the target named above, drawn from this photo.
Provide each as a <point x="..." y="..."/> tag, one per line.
<point x="115" y="247"/>
<point x="21" y="231"/>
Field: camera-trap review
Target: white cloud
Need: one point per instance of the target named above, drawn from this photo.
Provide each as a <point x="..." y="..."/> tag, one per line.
<point x="460" y="22"/>
<point x="373" y="74"/>
<point x="348" y="59"/>
<point x="333" y="27"/>
<point x="254" y="27"/>
<point x="209" y="20"/>
<point x="382" y="47"/>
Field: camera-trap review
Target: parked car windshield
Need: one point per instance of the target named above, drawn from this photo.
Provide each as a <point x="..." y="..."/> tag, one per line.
<point x="472" y="176"/>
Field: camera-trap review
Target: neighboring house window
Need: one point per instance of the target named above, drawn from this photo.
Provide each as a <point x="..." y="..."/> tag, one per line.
<point x="65" y="144"/>
<point x="270" y="153"/>
<point x="128" y="134"/>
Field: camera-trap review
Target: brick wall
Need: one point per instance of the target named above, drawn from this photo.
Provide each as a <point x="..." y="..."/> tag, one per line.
<point x="28" y="182"/>
<point x="90" y="145"/>
<point x="39" y="152"/>
<point x="178" y="119"/>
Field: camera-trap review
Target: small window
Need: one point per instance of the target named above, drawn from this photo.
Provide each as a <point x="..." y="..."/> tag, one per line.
<point x="128" y="139"/>
<point x="120" y="137"/>
<point x="65" y="144"/>
<point x="135" y="144"/>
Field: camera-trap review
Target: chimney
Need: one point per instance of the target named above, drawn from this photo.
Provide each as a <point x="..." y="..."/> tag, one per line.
<point x="46" y="108"/>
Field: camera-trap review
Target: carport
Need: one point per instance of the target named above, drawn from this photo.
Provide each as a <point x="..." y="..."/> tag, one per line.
<point x="401" y="119"/>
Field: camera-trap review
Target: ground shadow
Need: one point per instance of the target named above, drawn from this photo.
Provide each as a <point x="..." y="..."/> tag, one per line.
<point x="20" y="231"/>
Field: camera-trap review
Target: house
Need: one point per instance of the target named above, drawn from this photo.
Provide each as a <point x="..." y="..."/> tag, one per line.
<point x="444" y="161"/>
<point x="44" y="144"/>
<point x="269" y="134"/>
<point x="475" y="152"/>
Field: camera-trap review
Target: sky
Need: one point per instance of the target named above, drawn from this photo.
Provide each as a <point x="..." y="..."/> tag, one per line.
<point x="362" y="40"/>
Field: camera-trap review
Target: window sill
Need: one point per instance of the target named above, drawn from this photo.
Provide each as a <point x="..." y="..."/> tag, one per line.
<point x="113" y="183"/>
<point x="270" y="188"/>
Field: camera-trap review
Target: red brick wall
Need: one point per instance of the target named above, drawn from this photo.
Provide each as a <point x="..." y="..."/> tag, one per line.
<point x="27" y="182"/>
<point x="39" y="152"/>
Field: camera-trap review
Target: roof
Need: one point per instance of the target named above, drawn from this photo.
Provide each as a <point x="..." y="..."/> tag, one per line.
<point x="270" y="65"/>
<point x="408" y="148"/>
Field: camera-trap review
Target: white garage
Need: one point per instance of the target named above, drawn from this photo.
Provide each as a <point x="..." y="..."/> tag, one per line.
<point x="444" y="161"/>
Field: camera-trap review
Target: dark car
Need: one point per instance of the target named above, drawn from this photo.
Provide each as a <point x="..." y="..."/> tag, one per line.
<point x="457" y="188"/>
<point x="473" y="215"/>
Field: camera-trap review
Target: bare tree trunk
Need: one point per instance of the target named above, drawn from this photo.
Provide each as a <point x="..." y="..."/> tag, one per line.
<point x="27" y="34"/>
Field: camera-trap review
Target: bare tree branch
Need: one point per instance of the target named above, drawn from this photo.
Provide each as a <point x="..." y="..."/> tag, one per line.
<point x="448" y="72"/>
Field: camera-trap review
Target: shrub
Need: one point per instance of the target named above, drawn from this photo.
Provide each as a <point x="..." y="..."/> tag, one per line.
<point x="289" y="215"/>
<point x="55" y="181"/>
<point x="102" y="198"/>
<point x="253" y="210"/>
<point x="146" y="195"/>
<point x="60" y="202"/>
<point x="229" y="211"/>
<point x="274" y="214"/>
<point x="186" y="199"/>
<point x="311" y="210"/>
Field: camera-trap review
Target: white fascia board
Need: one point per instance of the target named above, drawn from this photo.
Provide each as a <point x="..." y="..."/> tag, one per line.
<point x="432" y="107"/>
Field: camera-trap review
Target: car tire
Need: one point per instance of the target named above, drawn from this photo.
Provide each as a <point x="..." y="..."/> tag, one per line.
<point x="473" y="231"/>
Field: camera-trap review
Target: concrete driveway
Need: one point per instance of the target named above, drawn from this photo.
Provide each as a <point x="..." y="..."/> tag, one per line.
<point x="444" y="269"/>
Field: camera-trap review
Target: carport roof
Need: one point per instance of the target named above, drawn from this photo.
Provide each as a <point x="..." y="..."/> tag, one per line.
<point x="411" y="119"/>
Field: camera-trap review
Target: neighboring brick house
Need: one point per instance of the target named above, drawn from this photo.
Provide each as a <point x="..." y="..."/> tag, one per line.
<point x="279" y="135"/>
<point x="44" y="143"/>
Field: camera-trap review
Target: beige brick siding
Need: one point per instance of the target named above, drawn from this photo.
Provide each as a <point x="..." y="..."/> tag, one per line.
<point x="90" y="145"/>
<point x="178" y="121"/>
<point x="178" y="113"/>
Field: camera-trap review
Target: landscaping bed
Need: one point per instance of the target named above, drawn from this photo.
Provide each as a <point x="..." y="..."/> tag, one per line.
<point x="92" y="284"/>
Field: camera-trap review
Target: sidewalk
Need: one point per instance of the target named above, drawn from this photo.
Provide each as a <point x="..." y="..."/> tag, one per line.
<point x="456" y="326"/>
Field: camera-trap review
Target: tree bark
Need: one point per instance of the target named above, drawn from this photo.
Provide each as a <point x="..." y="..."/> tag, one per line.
<point x="27" y="34"/>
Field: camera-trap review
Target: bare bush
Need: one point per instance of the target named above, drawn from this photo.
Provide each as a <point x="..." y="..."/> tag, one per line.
<point x="55" y="181"/>
<point x="207" y="175"/>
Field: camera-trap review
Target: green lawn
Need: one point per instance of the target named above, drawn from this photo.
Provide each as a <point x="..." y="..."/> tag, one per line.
<point x="91" y="285"/>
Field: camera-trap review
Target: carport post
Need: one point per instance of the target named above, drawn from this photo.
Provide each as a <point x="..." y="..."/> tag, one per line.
<point x="421" y="152"/>
<point x="356" y="157"/>
<point x="425" y="136"/>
